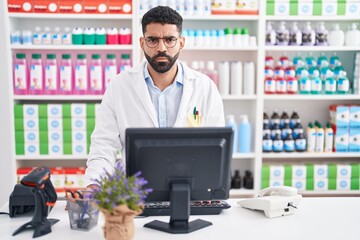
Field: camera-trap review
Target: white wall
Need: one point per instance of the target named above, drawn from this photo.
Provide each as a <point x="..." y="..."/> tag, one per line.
<point x="7" y="162"/>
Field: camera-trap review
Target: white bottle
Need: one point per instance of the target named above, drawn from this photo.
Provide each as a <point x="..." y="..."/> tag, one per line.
<point x="249" y="78"/>
<point x="295" y="35"/>
<point x="37" y="36"/>
<point x="320" y="137"/>
<point x="311" y="138"/>
<point x="352" y="37"/>
<point x="282" y="35"/>
<point x="329" y="138"/>
<point x="270" y="37"/>
<point x="308" y="35"/>
<point x="236" y="78"/>
<point x="336" y="36"/>
<point x="56" y="36"/>
<point x="66" y="36"/>
<point x="46" y="36"/>
<point x="212" y="73"/>
<point x="195" y="65"/>
<point x="224" y="78"/>
<point x="231" y="123"/>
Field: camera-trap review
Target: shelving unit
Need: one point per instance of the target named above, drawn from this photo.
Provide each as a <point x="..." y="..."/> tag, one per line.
<point x="253" y="105"/>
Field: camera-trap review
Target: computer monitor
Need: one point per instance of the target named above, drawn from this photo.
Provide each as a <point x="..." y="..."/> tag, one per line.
<point x="180" y="165"/>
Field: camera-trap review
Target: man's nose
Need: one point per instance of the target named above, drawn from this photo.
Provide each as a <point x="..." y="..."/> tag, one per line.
<point x="161" y="47"/>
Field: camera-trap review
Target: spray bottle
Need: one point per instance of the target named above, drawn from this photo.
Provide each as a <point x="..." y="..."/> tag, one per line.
<point x="311" y="137"/>
<point x="329" y="138"/>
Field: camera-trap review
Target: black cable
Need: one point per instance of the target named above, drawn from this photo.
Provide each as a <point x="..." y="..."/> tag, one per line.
<point x="4" y="213"/>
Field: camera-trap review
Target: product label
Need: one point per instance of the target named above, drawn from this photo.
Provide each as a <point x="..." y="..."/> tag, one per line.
<point x="278" y="145"/>
<point x="66" y="38"/>
<point x="316" y="85"/>
<point x="65" y="78"/>
<point x="267" y="145"/>
<point x="300" y="144"/>
<point x="81" y="77"/>
<point x="37" y="38"/>
<point x="36" y="77"/>
<point x="330" y="86"/>
<point x="50" y="77"/>
<point x="343" y="85"/>
<point x="289" y="145"/>
<point x="96" y="83"/>
<point x="305" y="85"/>
<point x="56" y="38"/>
<point x="20" y="77"/>
<point x="270" y="86"/>
<point x="292" y="86"/>
<point x="110" y="72"/>
<point x="281" y="86"/>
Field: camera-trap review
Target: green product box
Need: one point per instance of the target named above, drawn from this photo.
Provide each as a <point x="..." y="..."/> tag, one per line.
<point x="355" y="170"/>
<point x="332" y="171"/>
<point x="294" y="6"/>
<point x="310" y="184"/>
<point x="67" y="148"/>
<point x="288" y="182"/>
<point x="66" y="110"/>
<point x="90" y="110"/>
<point x="43" y="124"/>
<point x="20" y="148"/>
<point x="332" y="184"/>
<point x="310" y="171"/>
<point x="270" y="7"/>
<point x="287" y="172"/>
<point x="265" y="173"/>
<point x="67" y="137"/>
<point x="44" y="149"/>
<point x="341" y="8"/>
<point x="265" y="184"/>
<point x="317" y="7"/>
<point x="66" y="124"/>
<point x="90" y="124"/>
<point x="19" y="124"/>
<point x="18" y="111"/>
<point x="42" y="110"/>
<point x="19" y="136"/>
<point x="354" y="184"/>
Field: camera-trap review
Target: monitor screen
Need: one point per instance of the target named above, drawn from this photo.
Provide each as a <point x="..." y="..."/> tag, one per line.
<point x="181" y="164"/>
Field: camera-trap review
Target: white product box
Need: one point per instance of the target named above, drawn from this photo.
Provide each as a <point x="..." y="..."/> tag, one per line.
<point x="320" y="171"/>
<point x="354" y="117"/>
<point x="340" y="116"/>
<point x="277" y="172"/>
<point x="31" y="124"/>
<point x="75" y="178"/>
<point x="78" y="124"/>
<point x="282" y="8"/>
<point x="352" y="8"/>
<point x="354" y="140"/>
<point x="305" y="8"/>
<point x="79" y="148"/>
<point x="78" y="110"/>
<point x="78" y="136"/>
<point x="32" y="149"/>
<point x="343" y="171"/>
<point x="276" y="182"/>
<point x="329" y="8"/>
<point x="321" y="184"/>
<point x="300" y="184"/>
<point x="298" y="172"/>
<point x="55" y="136"/>
<point x="55" y="124"/>
<point x="54" y="111"/>
<point x="341" y="142"/>
<point x="31" y="111"/>
<point x="56" y="148"/>
<point x="31" y="136"/>
<point x="343" y="184"/>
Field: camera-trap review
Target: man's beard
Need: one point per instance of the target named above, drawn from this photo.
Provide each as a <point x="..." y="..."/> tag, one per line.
<point x="161" y="67"/>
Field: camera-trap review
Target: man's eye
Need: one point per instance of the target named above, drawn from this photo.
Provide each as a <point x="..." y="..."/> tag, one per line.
<point x="152" y="40"/>
<point x="170" y="39"/>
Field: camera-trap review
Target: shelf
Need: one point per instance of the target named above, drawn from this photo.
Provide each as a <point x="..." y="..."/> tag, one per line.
<point x="223" y="17"/>
<point x="243" y="155"/>
<point x="72" y="47"/>
<point x="330" y="193"/>
<point x="241" y="97"/>
<point x="312" y="18"/>
<point x="309" y="155"/>
<point x="250" y="48"/>
<point x="71" y="16"/>
<point x="310" y="48"/>
<point x="242" y="192"/>
<point x="311" y="97"/>
<point x="58" y="97"/>
<point x="52" y="157"/>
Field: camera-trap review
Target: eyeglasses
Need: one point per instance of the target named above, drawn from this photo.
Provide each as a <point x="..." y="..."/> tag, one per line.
<point x="153" y="42"/>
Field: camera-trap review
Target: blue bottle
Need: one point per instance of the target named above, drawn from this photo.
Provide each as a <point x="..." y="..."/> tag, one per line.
<point x="244" y="134"/>
<point x="230" y="122"/>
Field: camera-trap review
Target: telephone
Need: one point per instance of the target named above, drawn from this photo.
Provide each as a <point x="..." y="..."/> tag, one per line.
<point x="274" y="201"/>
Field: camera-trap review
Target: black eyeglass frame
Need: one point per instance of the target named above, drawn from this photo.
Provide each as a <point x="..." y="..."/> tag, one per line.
<point x="173" y="39"/>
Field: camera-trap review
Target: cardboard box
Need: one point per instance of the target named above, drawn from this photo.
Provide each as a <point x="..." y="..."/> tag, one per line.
<point x="95" y="6"/>
<point x="78" y="124"/>
<point x="222" y="7"/>
<point x="354" y="140"/>
<point x="55" y="124"/>
<point x="329" y="8"/>
<point x="341" y="140"/>
<point x="352" y="8"/>
<point x="354" y="118"/>
<point x="32" y="149"/>
<point x="320" y="171"/>
<point x="247" y="7"/>
<point x="305" y="8"/>
<point x="79" y="148"/>
<point x="54" y="111"/>
<point x="298" y="172"/>
<point x="70" y="6"/>
<point x="340" y="116"/>
<point x="120" y="6"/>
<point x="45" y="6"/>
<point x="78" y="110"/>
<point x="20" y="5"/>
<point x="56" y="149"/>
<point x="300" y="184"/>
<point x="277" y="172"/>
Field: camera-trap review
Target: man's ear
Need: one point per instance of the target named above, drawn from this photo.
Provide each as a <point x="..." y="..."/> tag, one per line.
<point x="142" y="42"/>
<point x="182" y="42"/>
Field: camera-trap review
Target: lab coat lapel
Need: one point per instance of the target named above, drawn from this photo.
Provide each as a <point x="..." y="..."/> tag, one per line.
<point x="142" y="93"/>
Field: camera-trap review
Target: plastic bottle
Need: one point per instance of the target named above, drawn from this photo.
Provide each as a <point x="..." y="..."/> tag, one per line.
<point x="294" y="119"/>
<point x="214" y="38"/>
<point x="67" y="36"/>
<point x="36" y="75"/>
<point x="308" y="35"/>
<point x="270" y="37"/>
<point x="15" y="38"/>
<point x="291" y="85"/>
<point x="112" y="36"/>
<point x="89" y="36"/>
<point x="275" y="118"/>
<point x="281" y="87"/>
<point x="81" y="75"/>
<point x="310" y="61"/>
<point x="191" y="38"/>
<point x="236" y="180"/>
<point x="46" y="36"/>
<point x="269" y="61"/>
<point x="267" y="143"/>
<point x="282" y="35"/>
<point x="96" y="75"/>
<point x="237" y="37"/>
<point x="336" y="36"/>
<point x="249" y="78"/>
<point x="125" y="62"/>
<point x="125" y="36"/>
<point x="297" y="130"/>
<point x="51" y="75"/>
<point x="231" y="123"/>
<point x="300" y="143"/>
<point x="278" y="144"/>
<point x="289" y="144"/>
<point x="26" y="37"/>
<point x="316" y="84"/>
<point x="199" y="38"/>
<point x="189" y="7"/>
<point x="311" y="137"/>
<point x="343" y="83"/>
<point x="245" y="37"/>
<point x="284" y="119"/>
<point x="321" y="33"/>
<point x="66" y="75"/>
<point x="37" y="36"/>
<point x="329" y="138"/>
<point x="248" y="180"/>
<point x="319" y="147"/>
<point x="110" y="68"/>
<point x="224" y="78"/>
<point x="229" y="37"/>
<point x="211" y="72"/>
<point x="244" y="135"/>
<point x="337" y="71"/>
<point x="330" y="84"/>
<point x="100" y="36"/>
<point x="56" y="36"/>
<point x="77" y="36"/>
<point x="20" y="74"/>
<point x="266" y="119"/>
<point x="207" y="38"/>
<point x="295" y="35"/>
<point x="266" y="129"/>
<point x="275" y="129"/>
<point x="286" y="130"/>
<point x="352" y="36"/>
<point x="269" y="71"/>
<point x="236" y="78"/>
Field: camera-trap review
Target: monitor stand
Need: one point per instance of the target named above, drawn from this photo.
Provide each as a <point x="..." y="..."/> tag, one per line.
<point x="179" y="212"/>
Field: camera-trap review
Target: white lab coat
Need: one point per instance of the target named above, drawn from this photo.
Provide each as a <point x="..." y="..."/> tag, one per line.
<point x="126" y="103"/>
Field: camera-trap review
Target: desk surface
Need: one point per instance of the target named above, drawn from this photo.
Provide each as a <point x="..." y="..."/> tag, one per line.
<point x="316" y="218"/>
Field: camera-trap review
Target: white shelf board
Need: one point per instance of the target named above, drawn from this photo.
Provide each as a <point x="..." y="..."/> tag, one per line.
<point x="241" y="97"/>
<point x="243" y="155"/>
<point x="242" y="192"/>
<point x="310" y="155"/>
<point x="330" y="193"/>
<point x="51" y="157"/>
<point x="312" y="18"/>
<point x="229" y="17"/>
<point x="311" y="97"/>
<point x="71" y="16"/>
<point x="310" y="48"/>
<point x="72" y="47"/>
<point x="197" y="48"/>
<point x="58" y="97"/>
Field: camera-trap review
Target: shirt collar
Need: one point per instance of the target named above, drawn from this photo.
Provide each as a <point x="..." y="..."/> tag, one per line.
<point x="179" y="78"/>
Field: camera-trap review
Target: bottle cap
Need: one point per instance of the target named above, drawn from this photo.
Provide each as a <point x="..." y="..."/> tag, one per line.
<point x="66" y="56"/>
<point x="81" y="56"/>
<point x="125" y="56"/>
<point x="210" y="65"/>
<point x="244" y="31"/>
<point x="237" y="31"/>
<point x="110" y="56"/>
<point x="95" y="56"/>
<point x="244" y="118"/>
<point x="228" y="31"/>
<point x="21" y="55"/>
<point x="36" y="56"/>
<point x="51" y="56"/>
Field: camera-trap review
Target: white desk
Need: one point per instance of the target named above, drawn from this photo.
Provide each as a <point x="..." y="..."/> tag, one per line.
<point x="316" y="218"/>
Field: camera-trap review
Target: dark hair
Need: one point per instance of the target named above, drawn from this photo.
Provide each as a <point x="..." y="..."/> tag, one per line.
<point x="163" y="15"/>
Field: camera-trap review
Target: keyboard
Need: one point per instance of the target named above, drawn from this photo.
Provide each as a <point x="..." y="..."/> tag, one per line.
<point x="213" y="207"/>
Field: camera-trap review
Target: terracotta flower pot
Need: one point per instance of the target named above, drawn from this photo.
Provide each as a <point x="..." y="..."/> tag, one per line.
<point x="119" y="225"/>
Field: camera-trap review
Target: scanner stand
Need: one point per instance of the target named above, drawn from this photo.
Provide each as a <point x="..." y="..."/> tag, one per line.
<point x="179" y="212"/>
<point x="39" y="222"/>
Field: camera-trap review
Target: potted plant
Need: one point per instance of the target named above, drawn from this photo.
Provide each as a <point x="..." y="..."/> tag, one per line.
<point x="120" y="199"/>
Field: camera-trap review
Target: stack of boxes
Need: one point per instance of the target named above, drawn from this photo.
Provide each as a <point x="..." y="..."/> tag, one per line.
<point x="313" y="7"/>
<point x="356" y="81"/>
<point x="309" y="177"/>
<point x="54" y="129"/>
<point x="345" y="121"/>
